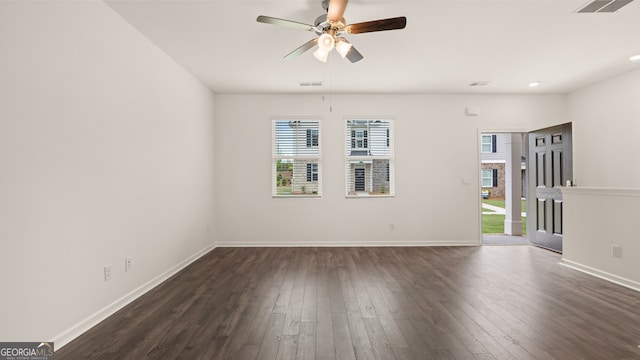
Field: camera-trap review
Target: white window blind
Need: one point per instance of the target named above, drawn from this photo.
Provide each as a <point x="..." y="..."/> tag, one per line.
<point x="296" y="164"/>
<point x="369" y="158"/>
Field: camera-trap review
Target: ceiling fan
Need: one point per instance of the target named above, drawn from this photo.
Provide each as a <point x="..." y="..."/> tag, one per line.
<point x="331" y="27"/>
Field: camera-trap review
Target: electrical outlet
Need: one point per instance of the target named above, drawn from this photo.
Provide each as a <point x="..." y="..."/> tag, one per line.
<point x="616" y="251"/>
<point x="128" y="264"/>
<point x="392" y="227"/>
<point x="107" y="272"/>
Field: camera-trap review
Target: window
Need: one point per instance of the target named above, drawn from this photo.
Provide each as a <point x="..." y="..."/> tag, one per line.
<point x="489" y="177"/>
<point x="312" y="138"/>
<point x="296" y="158"/>
<point x="312" y="172"/>
<point x="387" y="137"/>
<point x="360" y="139"/>
<point x="369" y="158"/>
<point x="489" y="144"/>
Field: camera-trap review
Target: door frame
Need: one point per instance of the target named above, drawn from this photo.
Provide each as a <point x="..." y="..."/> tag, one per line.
<point x="478" y="192"/>
<point x="364" y="177"/>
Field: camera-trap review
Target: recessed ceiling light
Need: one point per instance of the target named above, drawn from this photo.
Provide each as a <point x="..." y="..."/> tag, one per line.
<point x="534" y="83"/>
<point x="635" y="58"/>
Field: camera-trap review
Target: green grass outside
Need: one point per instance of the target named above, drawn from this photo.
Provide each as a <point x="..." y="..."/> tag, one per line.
<point x="494" y="224"/>
<point x="284" y="190"/>
<point x="500" y="203"/>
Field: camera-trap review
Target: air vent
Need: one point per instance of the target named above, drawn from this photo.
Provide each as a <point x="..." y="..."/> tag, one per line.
<point x="479" y="83"/>
<point x="604" y="6"/>
<point x="311" y="83"/>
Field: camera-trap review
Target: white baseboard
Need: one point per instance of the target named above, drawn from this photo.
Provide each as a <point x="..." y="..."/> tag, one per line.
<point x="349" y="244"/>
<point x="634" y="285"/>
<point x="67" y="336"/>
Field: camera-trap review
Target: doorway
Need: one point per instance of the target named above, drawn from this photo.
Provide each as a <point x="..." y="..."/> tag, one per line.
<point x="551" y="164"/>
<point x="503" y="178"/>
<point x="359" y="179"/>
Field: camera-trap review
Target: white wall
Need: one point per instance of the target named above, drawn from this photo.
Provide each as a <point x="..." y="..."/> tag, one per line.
<point x="604" y="207"/>
<point x="606" y="126"/>
<point x="436" y="147"/>
<point x="594" y="220"/>
<point x="106" y="151"/>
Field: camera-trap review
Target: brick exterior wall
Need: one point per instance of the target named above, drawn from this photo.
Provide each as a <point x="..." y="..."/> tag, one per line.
<point x="499" y="191"/>
<point x="380" y="182"/>
<point x="300" y="179"/>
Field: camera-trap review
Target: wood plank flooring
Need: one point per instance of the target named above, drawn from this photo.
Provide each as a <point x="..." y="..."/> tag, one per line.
<point x="492" y="302"/>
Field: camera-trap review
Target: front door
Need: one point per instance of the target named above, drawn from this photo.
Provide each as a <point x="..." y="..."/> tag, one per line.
<point x="359" y="179"/>
<point x="550" y="164"/>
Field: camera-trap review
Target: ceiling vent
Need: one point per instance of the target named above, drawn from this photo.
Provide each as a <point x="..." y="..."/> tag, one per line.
<point x="603" y="6"/>
<point x="311" y="83"/>
<point x="479" y="83"/>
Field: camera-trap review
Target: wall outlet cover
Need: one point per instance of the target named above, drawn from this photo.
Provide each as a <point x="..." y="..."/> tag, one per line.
<point x="616" y="251"/>
<point x="107" y="273"/>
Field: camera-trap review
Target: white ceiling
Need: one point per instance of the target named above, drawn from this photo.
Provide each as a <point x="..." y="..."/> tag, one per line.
<point x="446" y="45"/>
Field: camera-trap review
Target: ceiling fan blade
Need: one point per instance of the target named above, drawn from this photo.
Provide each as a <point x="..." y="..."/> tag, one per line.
<point x="336" y="9"/>
<point x="282" y="22"/>
<point x="306" y="46"/>
<point x="354" y="55"/>
<point x="377" y="25"/>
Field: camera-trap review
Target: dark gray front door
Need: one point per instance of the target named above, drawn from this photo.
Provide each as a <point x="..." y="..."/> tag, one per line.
<point x="359" y="179"/>
<point x="550" y="166"/>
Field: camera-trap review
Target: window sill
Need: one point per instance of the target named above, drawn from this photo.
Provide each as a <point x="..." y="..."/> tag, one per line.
<point x="304" y="196"/>
<point x="368" y="196"/>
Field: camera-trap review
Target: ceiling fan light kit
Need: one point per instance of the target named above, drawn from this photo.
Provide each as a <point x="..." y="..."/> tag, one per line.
<point x="321" y="55"/>
<point x="329" y="29"/>
<point x="326" y="42"/>
<point x="343" y="47"/>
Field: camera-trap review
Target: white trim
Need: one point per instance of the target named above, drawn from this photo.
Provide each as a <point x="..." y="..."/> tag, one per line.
<point x="314" y="158"/>
<point x="633" y="285"/>
<point x="365" y="195"/>
<point x="303" y="196"/>
<point x="478" y="193"/>
<point x="351" y="244"/>
<point x="494" y="161"/>
<point x="78" y="329"/>
<point x="366" y="159"/>
<point x="626" y="192"/>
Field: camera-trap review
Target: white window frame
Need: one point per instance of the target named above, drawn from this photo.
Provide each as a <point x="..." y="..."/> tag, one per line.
<point x="482" y="143"/>
<point x="360" y="138"/>
<point x="490" y="178"/>
<point x="378" y="148"/>
<point x="299" y="154"/>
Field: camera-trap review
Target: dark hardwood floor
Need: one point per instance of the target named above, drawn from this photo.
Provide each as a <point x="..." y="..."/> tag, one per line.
<point x="492" y="302"/>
